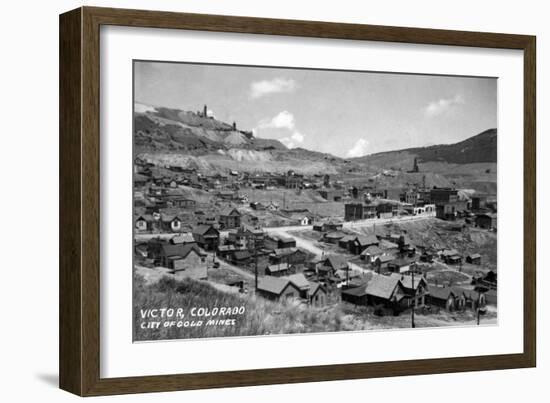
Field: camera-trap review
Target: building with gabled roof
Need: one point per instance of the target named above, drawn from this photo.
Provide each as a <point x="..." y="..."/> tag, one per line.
<point x="230" y="218"/>
<point x="277" y="270"/>
<point x="416" y="291"/>
<point x="276" y="288"/>
<point x="317" y="294"/>
<point x="370" y="253"/>
<point x="206" y="236"/>
<point x="360" y="243"/>
<point x="190" y="264"/>
<point x="300" y="281"/>
<point x="382" y="262"/>
<point x="443" y="297"/>
<point x="183" y="237"/>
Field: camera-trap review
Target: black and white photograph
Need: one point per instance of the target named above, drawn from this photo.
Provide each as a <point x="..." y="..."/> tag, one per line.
<point x="279" y="200"/>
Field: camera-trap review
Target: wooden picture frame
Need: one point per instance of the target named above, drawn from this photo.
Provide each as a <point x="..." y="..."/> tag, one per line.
<point x="79" y="280"/>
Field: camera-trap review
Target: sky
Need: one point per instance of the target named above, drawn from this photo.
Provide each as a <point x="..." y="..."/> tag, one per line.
<point x="348" y="114"/>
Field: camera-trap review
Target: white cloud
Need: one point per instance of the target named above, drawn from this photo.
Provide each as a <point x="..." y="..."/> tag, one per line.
<point x="283" y="120"/>
<point x="359" y="149"/>
<point x="142" y="108"/>
<point x="443" y="105"/>
<point x="283" y="124"/>
<point x="265" y="87"/>
<point x="293" y="140"/>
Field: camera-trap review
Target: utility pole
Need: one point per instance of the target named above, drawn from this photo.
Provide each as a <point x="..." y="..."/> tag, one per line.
<point x="414" y="300"/>
<point x="256" y="268"/>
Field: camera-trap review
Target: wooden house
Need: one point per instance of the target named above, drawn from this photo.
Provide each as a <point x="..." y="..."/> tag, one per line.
<point x="333" y="226"/>
<point x="300" y="281"/>
<point x="317" y="294"/>
<point x="469" y="299"/>
<point x="386" y="291"/>
<point x="230" y="218"/>
<point x="331" y="264"/>
<point x="170" y="223"/>
<point x="416" y="291"/>
<point x="277" y="270"/>
<point x="183" y="238"/>
<point x="206" y="236"/>
<point x="381" y="263"/>
<point x="360" y="243"/>
<point x="355" y="295"/>
<point x="241" y="257"/>
<point x="167" y="252"/>
<point x="277" y="288"/>
<point x="474" y="258"/>
<point x="451" y="256"/>
<point x="300" y="219"/>
<point x="333" y="237"/>
<point x="370" y="253"/>
<point x="279" y="242"/>
<point x="345" y="240"/>
<point x="190" y="264"/>
<point x="402" y="265"/>
<point x="226" y="251"/>
<point x="443" y="297"/>
<point x="289" y="256"/>
<point x="145" y="223"/>
<point x="486" y="221"/>
<point x="182" y="202"/>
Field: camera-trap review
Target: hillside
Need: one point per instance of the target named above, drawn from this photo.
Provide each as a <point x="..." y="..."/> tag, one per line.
<point x="481" y="148"/>
<point x="174" y="137"/>
<point x="172" y="130"/>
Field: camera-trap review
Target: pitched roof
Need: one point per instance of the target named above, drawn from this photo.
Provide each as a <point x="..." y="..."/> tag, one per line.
<point x="403" y="261"/>
<point x="274" y="268"/>
<point x="336" y="262"/>
<point x="367" y="240"/>
<point x="202" y="229"/>
<point x="356" y="291"/>
<point x="230" y="211"/>
<point x="471" y="294"/>
<point x="299" y="280"/>
<point x="440" y="292"/>
<point x="283" y="251"/>
<point x="184" y="237"/>
<point x="146" y="217"/>
<point x="314" y="287"/>
<point x="372" y="250"/>
<point x="449" y="252"/>
<point x="273" y="285"/>
<point x="385" y="258"/>
<point x="169" y="217"/>
<point x="182" y="250"/>
<point x="474" y="256"/>
<point x="382" y="286"/>
<point x="242" y="254"/>
<point x="384" y="243"/>
<point x="335" y="235"/>
<point x="407" y="280"/>
<point x="347" y="238"/>
<point x="251" y="229"/>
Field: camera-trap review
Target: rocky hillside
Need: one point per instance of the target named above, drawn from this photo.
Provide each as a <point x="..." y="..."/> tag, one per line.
<point x="172" y="130"/>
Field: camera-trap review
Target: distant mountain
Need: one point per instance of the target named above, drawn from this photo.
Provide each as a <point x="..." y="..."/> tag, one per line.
<point x="476" y="149"/>
<point x="172" y="130"/>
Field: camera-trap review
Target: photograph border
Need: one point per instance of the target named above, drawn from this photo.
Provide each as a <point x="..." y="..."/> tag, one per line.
<point x="79" y="218"/>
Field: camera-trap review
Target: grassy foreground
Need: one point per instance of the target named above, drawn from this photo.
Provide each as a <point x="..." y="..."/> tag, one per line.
<point x="262" y="317"/>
